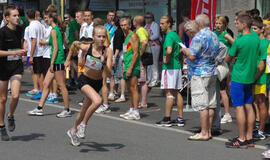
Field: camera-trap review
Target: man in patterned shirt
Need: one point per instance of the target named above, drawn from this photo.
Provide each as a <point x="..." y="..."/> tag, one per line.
<point x="201" y="61"/>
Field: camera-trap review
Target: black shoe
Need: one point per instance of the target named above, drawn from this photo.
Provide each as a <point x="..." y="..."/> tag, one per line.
<point x="216" y="132"/>
<point x="164" y="123"/>
<point x="3" y="134"/>
<point x="11" y="124"/>
<point x="178" y="122"/>
<point x="236" y="143"/>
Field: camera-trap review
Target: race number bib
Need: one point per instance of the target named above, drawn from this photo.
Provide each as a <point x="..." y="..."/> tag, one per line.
<point x="93" y="63"/>
<point x="13" y="57"/>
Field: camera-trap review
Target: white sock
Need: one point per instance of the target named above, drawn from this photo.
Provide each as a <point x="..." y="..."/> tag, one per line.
<point x="228" y="114"/>
<point x="131" y="109"/>
<point x="122" y="96"/>
<point x="105" y="105"/>
<point x="136" y="111"/>
<point x="82" y="124"/>
<point x="111" y="95"/>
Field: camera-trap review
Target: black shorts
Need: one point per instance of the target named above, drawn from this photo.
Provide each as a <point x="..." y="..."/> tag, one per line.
<point x="10" y="68"/>
<point x="58" y="67"/>
<point x="38" y="65"/>
<point x="46" y="65"/>
<point x="83" y="80"/>
<point x="223" y="84"/>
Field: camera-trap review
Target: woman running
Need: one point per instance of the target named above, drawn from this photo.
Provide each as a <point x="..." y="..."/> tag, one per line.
<point x="57" y="68"/>
<point x="97" y="58"/>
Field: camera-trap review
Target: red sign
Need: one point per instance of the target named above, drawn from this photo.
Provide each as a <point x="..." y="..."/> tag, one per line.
<point x="207" y="7"/>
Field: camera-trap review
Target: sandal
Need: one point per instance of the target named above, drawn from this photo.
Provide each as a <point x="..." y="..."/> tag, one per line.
<point x="197" y="137"/>
<point x="141" y="106"/>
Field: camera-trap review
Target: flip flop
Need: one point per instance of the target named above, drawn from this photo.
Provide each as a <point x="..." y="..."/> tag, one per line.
<point x="197" y="137"/>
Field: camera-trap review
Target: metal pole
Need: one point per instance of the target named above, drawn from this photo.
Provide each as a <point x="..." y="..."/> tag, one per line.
<point x="62" y="9"/>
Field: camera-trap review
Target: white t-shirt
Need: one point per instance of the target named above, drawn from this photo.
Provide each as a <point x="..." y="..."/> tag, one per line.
<point x="87" y="30"/>
<point x="2" y="24"/>
<point x="47" y="48"/>
<point x="36" y="30"/>
<point x="26" y="38"/>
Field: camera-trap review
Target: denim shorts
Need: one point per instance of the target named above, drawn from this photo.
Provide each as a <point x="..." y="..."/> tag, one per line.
<point x="241" y="94"/>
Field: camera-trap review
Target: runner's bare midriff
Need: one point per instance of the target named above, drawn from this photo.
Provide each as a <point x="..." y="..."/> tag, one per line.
<point x="93" y="74"/>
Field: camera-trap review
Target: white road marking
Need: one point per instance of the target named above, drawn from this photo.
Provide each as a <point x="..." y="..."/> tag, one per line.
<point x="138" y="123"/>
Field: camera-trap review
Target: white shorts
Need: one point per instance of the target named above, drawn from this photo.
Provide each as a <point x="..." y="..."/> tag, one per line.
<point x="171" y="79"/>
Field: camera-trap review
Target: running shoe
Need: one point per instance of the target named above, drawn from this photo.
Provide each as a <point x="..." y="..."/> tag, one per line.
<point x="132" y="116"/>
<point x="121" y="99"/>
<point x="3" y="134"/>
<point x="258" y="135"/>
<point x="64" y="114"/>
<point x="126" y="114"/>
<point x="11" y="124"/>
<point x="55" y="100"/>
<point x="36" y="112"/>
<point x="81" y="131"/>
<point x="37" y="96"/>
<point x="236" y="143"/>
<point x="226" y="119"/>
<point x="32" y="93"/>
<point x="103" y="109"/>
<point x="73" y="138"/>
<point x="49" y="99"/>
<point x="164" y="123"/>
<point x="266" y="154"/>
<point x="111" y="97"/>
<point x="178" y="122"/>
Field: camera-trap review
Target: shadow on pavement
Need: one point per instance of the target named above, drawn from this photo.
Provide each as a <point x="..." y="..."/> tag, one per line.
<point x="94" y="146"/>
<point x="29" y="137"/>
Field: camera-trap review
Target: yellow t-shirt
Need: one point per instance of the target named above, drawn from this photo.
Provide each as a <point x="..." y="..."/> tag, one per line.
<point x="142" y="34"/>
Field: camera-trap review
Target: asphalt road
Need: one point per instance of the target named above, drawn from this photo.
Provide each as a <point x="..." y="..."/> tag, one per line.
<point x="112" y="138"/>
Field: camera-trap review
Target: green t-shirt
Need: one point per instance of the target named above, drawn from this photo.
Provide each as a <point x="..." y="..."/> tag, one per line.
<point x="172" y="40"/>
<point x="128" y="54"/>
<point x="60" y="58"/>
<point x="262" y="57"/>
<point x="245" y="48"/>
<point x="72" y="28"/>
<point x="222" y="39"/>
<point x="25" y="21"/>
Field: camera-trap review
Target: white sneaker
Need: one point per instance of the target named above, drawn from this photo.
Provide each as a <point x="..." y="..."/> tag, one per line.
<point x="111" y="97"/>
<point x="226" y="119"/>
<point x="36" y="112"/>
<point x="81" y="131"/>
<point x="73" y="138"/>
<point x="126" y="114"/>
<point x="64" y="114"/>
<point x="133" y="116"/>
<point x="103" y="109"/>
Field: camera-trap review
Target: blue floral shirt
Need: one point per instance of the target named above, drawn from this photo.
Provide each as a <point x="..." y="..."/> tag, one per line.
<point x="204" y="46"/>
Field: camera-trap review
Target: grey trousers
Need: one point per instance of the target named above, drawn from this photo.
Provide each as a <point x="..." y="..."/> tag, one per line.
<point x="217" y="115"/>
